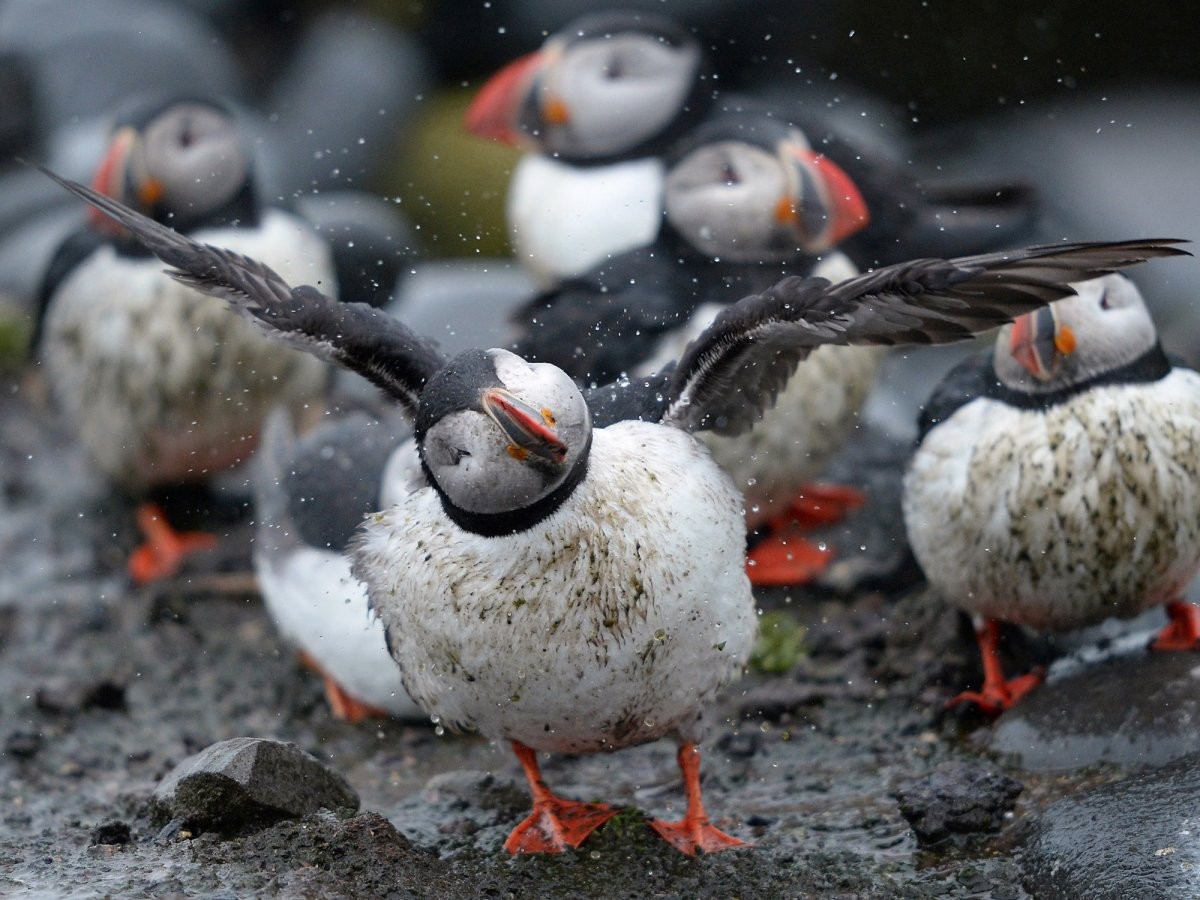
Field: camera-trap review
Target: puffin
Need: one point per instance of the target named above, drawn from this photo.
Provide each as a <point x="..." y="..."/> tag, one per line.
<point x="746" y="202"/>
<point x="595" y="107"/>
<point x="1056" y="479"/>
<point x="161" y="386"/>
<point x="561" y="568"/>
<point x="310" y="495"/>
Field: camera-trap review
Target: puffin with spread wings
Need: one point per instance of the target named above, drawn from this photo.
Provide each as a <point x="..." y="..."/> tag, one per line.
<point x="562" y="569"/>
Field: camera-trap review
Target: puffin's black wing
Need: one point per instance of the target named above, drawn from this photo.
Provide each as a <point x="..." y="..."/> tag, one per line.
<point x="733" y="371"/>
<point x="353" y="335"/>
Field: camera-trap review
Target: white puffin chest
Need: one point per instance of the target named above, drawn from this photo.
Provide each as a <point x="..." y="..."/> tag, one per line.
<point x="611" y="622"/>
<point x="1060" y="518"/>
<point x="162" y="383"/>
<point x="564" y="220"/>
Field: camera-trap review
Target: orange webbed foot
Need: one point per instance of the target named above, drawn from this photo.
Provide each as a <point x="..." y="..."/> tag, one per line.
<point x="786" y="558"/>
<point x="824" y="504"/>
<point x="556" y="824"/>
<point x="1183" y="631"/>
<point x="998" y="693"/>
<point x="995" y="698"/>
<point x="342" y="704"/>
<point x="164" y="550"/>
<point x="696" y="836"/>
<point x="694" y="833"/>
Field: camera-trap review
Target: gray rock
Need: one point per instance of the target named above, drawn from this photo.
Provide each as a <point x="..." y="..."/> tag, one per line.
<point x="957" y="799"/>
<point x="1140" y="710"/>
<point x="247" y="781"/>
<point x="1135" y="838"/>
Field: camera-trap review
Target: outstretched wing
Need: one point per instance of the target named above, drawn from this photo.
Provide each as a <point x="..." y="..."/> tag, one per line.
<point x="734" y="370"/>
<point x="352" y="335"/>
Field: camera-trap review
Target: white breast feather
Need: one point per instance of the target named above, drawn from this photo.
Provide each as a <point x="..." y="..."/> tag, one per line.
<point x="162" y="383"/>
<point x="563" y="220"/>
<point x="612" y="622"/>
<point x="1060" y="519"/>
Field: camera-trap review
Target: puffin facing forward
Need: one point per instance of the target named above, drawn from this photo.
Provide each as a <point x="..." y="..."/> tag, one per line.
<point x="561" y="569"/>
<point x="161" y="386"/>
<point x="1057" y="479"/>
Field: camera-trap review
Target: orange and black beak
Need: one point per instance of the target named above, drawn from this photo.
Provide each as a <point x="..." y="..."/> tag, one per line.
<point x="825" y="206"/>
<point x="530" y="430"/>
<point x="508" y="97"/>
<point x="119" y="176"/>
<point x="1039" y="342"/>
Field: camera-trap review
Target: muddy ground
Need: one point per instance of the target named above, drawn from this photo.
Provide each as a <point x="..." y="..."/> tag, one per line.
<point x="104" y="689"/>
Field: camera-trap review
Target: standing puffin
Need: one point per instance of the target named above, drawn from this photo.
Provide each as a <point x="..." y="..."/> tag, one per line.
<point x="1056" y="481"/>
<point x="310" y="495"/>
<point x="597" y="105"/>
<point x="746" y="202"/>
<point x="160" y="386"/>
<point x="561" y="569"/>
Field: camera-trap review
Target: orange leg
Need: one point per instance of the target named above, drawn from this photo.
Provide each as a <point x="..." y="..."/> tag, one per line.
<point x="343" y="706"/>
<point x="1183" y="631"/>
<point x="162" y="553"/>
<point x="998" y="693"/>
<point x="694" y="833"/>
<point x="555" y="823"/>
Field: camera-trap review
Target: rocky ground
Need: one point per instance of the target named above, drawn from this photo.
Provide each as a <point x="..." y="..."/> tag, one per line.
<point x="834" y="757"/>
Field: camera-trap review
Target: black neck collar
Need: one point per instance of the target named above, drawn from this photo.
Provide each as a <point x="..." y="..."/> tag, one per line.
<point x="515" y="520"/>
<point x="1151" y="366"/>
<point x="242" y="211"/>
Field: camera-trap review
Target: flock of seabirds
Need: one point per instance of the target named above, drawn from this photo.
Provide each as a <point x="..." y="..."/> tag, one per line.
<point x="546" y="542"/>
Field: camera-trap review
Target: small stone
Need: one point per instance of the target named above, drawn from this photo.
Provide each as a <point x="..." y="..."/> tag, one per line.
<point x="23" y="744"/>
<point x="245" y="782"/>
<point x="956" y="799"/>
<point x="69" y="695"/>
<point x="111" y="833"/>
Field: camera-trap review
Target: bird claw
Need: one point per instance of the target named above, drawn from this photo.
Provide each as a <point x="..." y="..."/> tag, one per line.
<point x="997" y="697"/>
<point x="556" y="824"/>
<point x="696" y="836"/>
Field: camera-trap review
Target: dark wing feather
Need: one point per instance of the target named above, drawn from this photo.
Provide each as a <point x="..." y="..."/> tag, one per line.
<point x="352" y="335"/>
<point x="733" y="371"/>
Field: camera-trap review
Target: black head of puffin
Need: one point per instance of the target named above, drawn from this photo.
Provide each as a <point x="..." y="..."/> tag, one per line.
<point x="497" y="434"/>
<point x="179" y="160"/>
<point x="602" y="87"/>
<point x="747" y="187"/>
<point x="1104" y="327"/>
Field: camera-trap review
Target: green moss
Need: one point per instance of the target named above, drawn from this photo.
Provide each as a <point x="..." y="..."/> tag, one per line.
<point x="16" y="329"/>
<point x="780" y="644"/>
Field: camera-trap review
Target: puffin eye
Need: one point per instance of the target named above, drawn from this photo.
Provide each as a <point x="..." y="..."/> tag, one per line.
<point x="1104" y="304"/>
<point x="729" y="174"/>
<point x="614" y="68"/>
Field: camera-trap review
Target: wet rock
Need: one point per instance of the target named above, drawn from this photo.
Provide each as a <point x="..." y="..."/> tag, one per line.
<point x="1139" y="837"/>
<point x="245" y="782"/>
<point x="23" y="744"/>
<point x="957" y="799"/>
<point x="1139" y="711"/>
<point x="114" y="833"/>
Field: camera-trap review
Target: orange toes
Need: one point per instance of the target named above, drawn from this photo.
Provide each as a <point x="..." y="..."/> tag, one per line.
<point x="998" y="696"/>
<point x="557" y="823"/>
<point x="786" y="558"/>
<point x="696" y="836"/>
<point x="164" y="550"/>
<point x="1183" y="631"/>
<point x="824" y="504"/>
